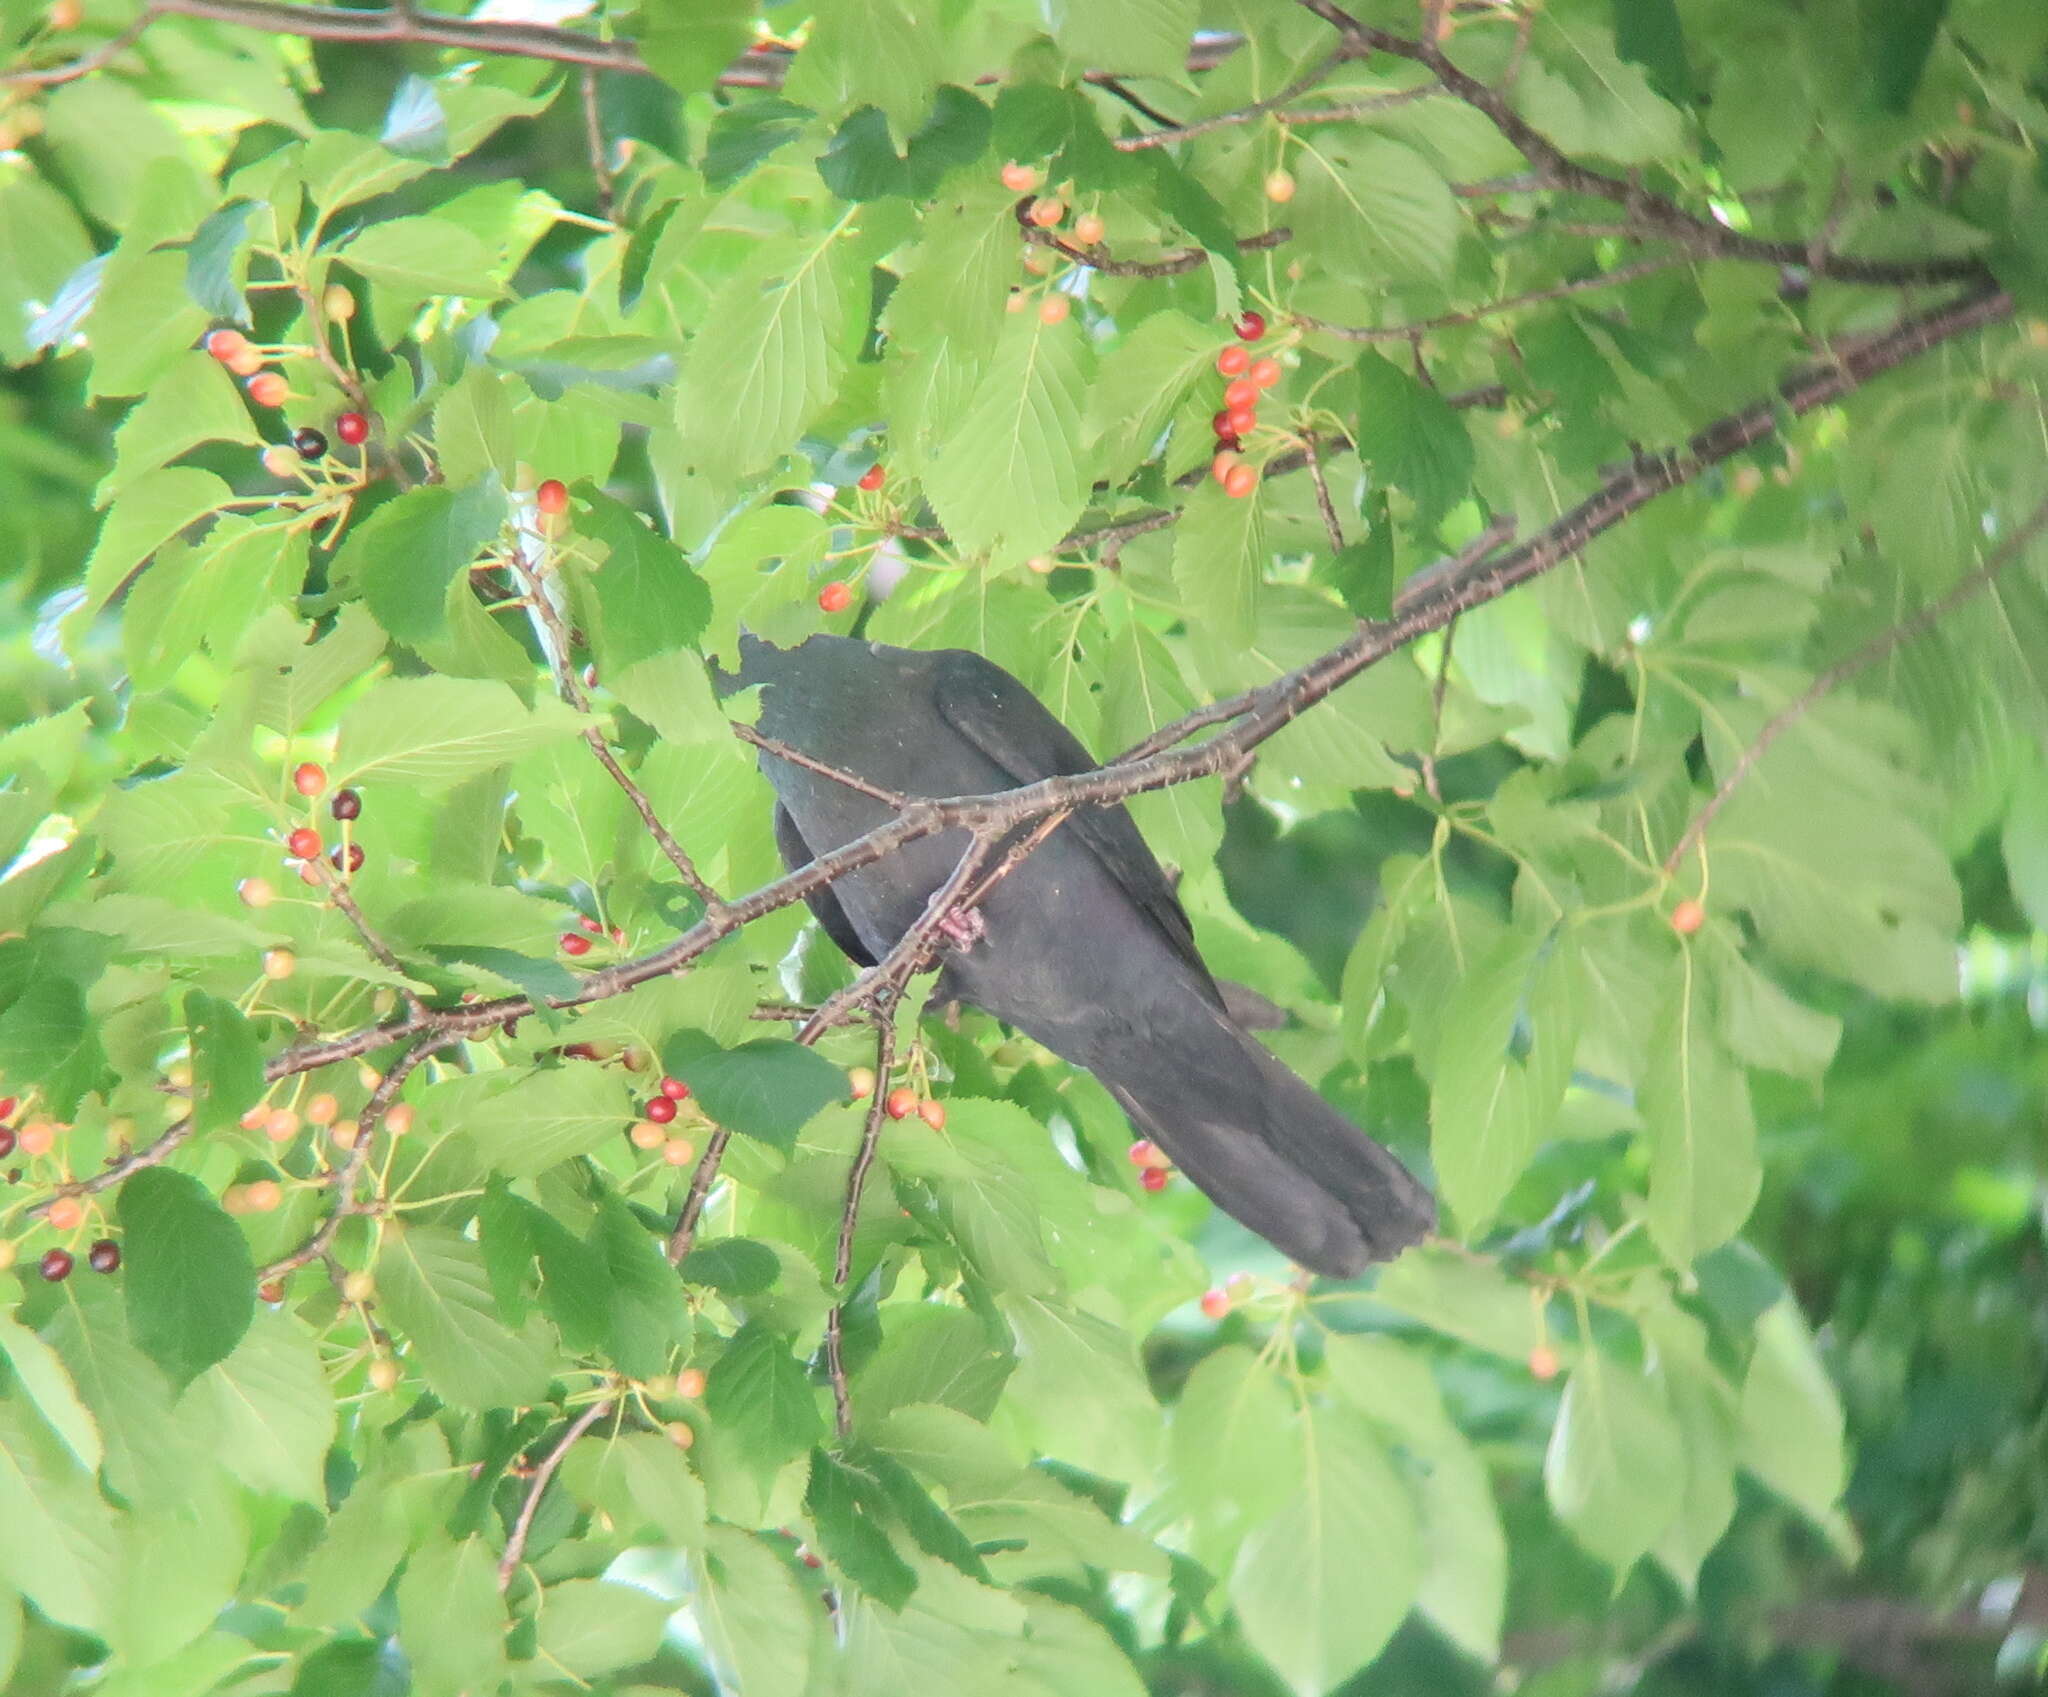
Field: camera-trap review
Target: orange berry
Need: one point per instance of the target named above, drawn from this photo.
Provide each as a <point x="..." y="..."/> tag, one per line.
<point x="1017" y="301"/>
<point x="1688" y="916"/>
<point x="860" y="1083"/>
<point x="268" y="389"/>
<point x="281" y="1125"/>
<point x="1223" y="465"/>
<point x="1232" y="360"/>
<point x="338" y="303"/>
<point x="933" y="1114"/>
<point x="1088" y="229"/>
<point x="647" y="1135"/>
<point x="1215" y="1303"/>
<point x="1145" y="1153"/>
<point x="1019" y="179"/>
<point x="279" y="964"/>
<point x="690" y="1383"/>
<point x="835" y="598"/>
<point x="262" y="1196"/>
<point x="384" y="1374"/>
<point x="1054" y="309"/>
<point x="398" y="1118"/>
<point x="679" y="1434"/>
<point x="344" y="1133"/>
<point x="308" y="778"/>
<point x="256" y="892"/>
<point x="901" y="1103"/>
<point x="225" y="344"/>
<point x="1279" y="187"/>
<point x="323" y="1109"/>
<point x="281" y="461"/>
<point x="1240" y="481"/>
<point x="1264" y="372"/>
<point x="1242" y="420"/>
<point x="552" y="497"/>
<point x="254" y="1119"/>
<point x="38" y="1137"/>
<point x="1240" y="392"/>
<point x="66" y="1214"/>
<point x="678" y="1151"/>
<point x="1046" y="212"/>
<point x="1543" y="1362"/>
<point x="245" y="363"/>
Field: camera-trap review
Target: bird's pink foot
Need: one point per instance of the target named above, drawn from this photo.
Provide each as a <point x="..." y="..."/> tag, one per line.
<point x="963" y="927"/>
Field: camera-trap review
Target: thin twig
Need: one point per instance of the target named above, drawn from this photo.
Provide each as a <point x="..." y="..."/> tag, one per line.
<point x="685" y="1234"/>
<point x="1312" y="78"/>
<point x="1436" y="716"/>
<point x="1578" y="285"/>
<point x="796" y="757"/>
<point x="1369" y="107"/>
<point x="367" y="1124"/>
<point x="1323" y="504"/>
<point x="49" y="76"/>
<point x="1099" y="258"/>
<point x="336" y="886"/>
<point x="1828" y="681"/>
<point x="849" y="1215"/>
<point x="522" y="1527"/>
<point x="593" y="141"/>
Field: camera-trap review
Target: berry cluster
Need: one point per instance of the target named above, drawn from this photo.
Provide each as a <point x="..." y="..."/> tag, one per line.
<point x="1245" y="379"/>
<point x="1046" y="212"/>
<point x="657" y="1114"/>
<point x="1155" y="1171"/>
<point x="579" y="942"/>
<point x="269" y="388"/>
<point x="34" y="1137"/>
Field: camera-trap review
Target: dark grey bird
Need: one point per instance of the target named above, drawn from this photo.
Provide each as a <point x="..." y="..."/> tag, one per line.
<point x="1083" y="946"/>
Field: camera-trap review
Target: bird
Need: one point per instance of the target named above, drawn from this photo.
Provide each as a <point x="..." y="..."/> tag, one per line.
<point x="1082" y="946"/>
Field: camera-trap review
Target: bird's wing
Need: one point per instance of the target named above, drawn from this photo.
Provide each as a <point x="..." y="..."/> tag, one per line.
<point x="1013" y="728"/>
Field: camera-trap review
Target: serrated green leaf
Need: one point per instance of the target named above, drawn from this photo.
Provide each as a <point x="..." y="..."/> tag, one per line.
<point x="769" y="1088"/>
<point x="850" y="1536"/>
<point x="1374" y="211"/>
<point x="1219" y="555"/>
<point x="451" y="1620"/>
<point x="273" y="1410"/>
<point x="227" y="1062"/>
<point x="591" y="1626"/>
<point x="762" y="1392"/>
<point x="408" y="552"/>
<point x="1704" y="1171"/>
<point x="1791" y="1421"/>
<point x="187" y="1275"/>
<point x="1411" y="438"/>
<point x="1142" y="37"/>
<point x="437" y="731"/>
<point x="1615" y="1469"/>
<point x="193" y="402"/>
<point x="150" y="510"/>
<point x="427" y="256"/>
<point x="39" y="1371"/>
<point x="433" y="1288"/>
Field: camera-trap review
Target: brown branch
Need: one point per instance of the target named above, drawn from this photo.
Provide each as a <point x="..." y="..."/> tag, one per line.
<point x="593" y="141"/>
<point x="49" y="76"/>
<point x="367" y="1124"/>
<point x="685" y="1234"/>
<point x="1647" y="212"/>
<point x="1308" y="79"/>
<point x="1510" y="303"/>
<point x="522" y="1527"/>
<point x="1827" y="682"/>
<point x="1323" y="503"/>
<point x="335" y="884"/>
<point x="849" y="1214"/>
<point x="1428" y="602"/>
<point x="1099" y="258"/>
<point x="1371" y="106"/>
<point x="796" y="757"/>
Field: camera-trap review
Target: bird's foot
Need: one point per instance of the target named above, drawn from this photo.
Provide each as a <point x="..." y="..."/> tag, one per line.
<point x="963" y="927"/>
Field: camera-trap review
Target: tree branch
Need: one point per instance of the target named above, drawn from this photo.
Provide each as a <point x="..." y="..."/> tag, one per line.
<point x="1968" y="585"/>
<point x="856" y="1181"/>
<point x="522" y="1528"/>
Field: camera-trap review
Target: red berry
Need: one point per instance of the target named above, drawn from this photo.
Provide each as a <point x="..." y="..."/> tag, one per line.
<point x="1232" y="360"/>
<point x="1688" y="916"/>
<point x="835" y="597"/>
<point x="6" y="1142"/>
<point x="902" y="1102"/>
<point x="55" y="1265"/>
<point x="351" y="861"/>
<point x="104" y="1256"/>
<point x="347" y="804"/>
<point x="309" y="779"/>
<point x="873" y="477"/>
<point x="575" y="943"/>
<point x="353" y="428"/>
<point x="1264" y="372"/>
<point x="675" y="1089"/>
<point x="1146" y="1153"/>
<point x="1242" y="420"/>
<point x="304" y="843"/>
<point x="1216" y="1303"/>
<point x="1240" y="392"/>
<point x="1219" y="422"/>
<point x="659" y="1109"/>
<point x="1240" y="481"/>
<point x="7" y="1105"/>
<point x="224" y="345"/>
<point x="1250" y="326"/>
<point x="933" y="1114"/>
<point x="268" y="389"/>
<point x="590" y="925"/>
<point x="1155" y="1178"/>
<point x="552" y="497"/>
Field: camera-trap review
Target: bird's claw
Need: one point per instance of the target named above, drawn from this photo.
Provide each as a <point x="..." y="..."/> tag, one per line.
<point x="963" y="927"/>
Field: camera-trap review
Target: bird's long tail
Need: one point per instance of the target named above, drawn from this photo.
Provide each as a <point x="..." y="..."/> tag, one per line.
<point x="1268" y="1150"/>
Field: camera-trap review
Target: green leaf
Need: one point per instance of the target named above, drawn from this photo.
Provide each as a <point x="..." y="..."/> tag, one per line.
<point x="1321" y="1586"/>
<point x="1219" y="552"/>
<point x="1147" y="38"/>
<point x="769" y="1088"/>
<point x="58" y="1539"/>
<point x="1615" y="1469"/>
<point x="474" y="432"/>
<point x="227" y="1062"/>
<point x="761" y="1392"/>
<point x="650" y="603"/>
<point x="1411" y="438"/>
<point x="425" y="256"/>
<point x="640" y="1479"/>
<point x="591" y="1626"/>
<point x="850" y="1537"/>
<point x="733" y="1266"/>
<point x="273" y="1411"/>
<point x="933" y="1355"/>
<point x="755" y="1620"/>
<point x="187" y="1275"/>
<point x="410" y="550"/>
<point x="649" y="1317"/>
<point x="438" y="731"/>
<point x="151" y="510"/>
<point x="1509" y="1035"/>
<point x="1140" y="385"/>
<point x="1235" y="1445"/>
<point x="1701" y="1129"/>
<point x="1791" y="1436"/>
<point x="1587" y="100"/>
<point x="1010" y="482"/>
<point x="432" y="1285"/>
<point x="1373" y="211"/>
<point x="1898" y="39"/>
<point x="687" y="43"/>
<point x="193" y="402"/>
<point x="549" y="1117"/>
<point x="840" y="68"/>
<point x="40" y="1372"/>
<point x="451" y="1620"/>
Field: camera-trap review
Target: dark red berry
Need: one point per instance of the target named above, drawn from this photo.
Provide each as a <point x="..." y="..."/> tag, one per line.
<point x="1250" y="326"/>
<point x="6" y="1142"/>
<point x="352" y="428"/>
<point x="55" y="1265"/>
<point x="660" y="1110"/>
<point x="347" y="804"/>
<point x="350" y="860"/>
<point x="104" y="1256"/>
<point x="311" y="443"/>
<point x="1220" y="422"/>
<point x="575" y="943"/>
